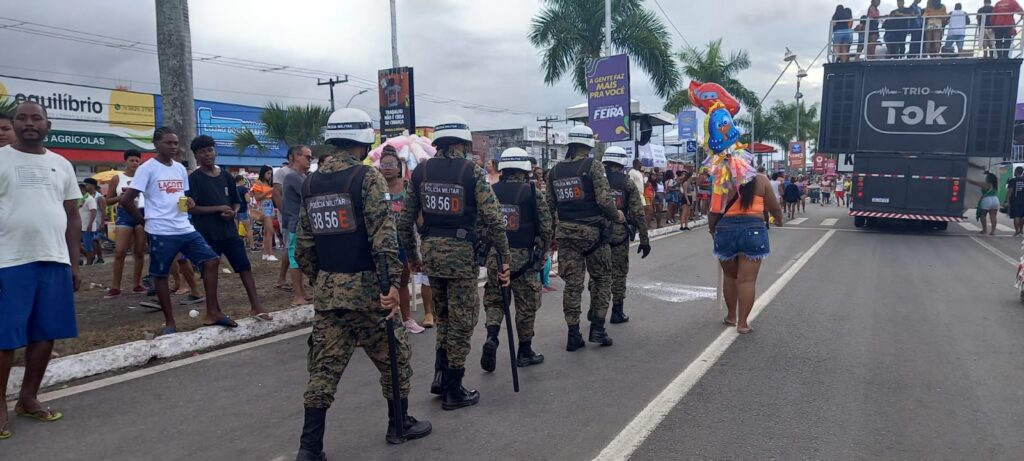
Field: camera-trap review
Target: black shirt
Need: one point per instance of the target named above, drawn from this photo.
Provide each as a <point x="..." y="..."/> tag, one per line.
<point x="986" y="10"/>
<point x="843" y="17"/>
<point x="216" y="191"/>
<point x="244" y="207"/>
<point x="1016" y="184"/>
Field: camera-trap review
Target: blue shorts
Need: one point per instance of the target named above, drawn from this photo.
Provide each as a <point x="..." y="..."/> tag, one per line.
<point x="842" y="37"/>
<point x="87" y="239"/>
<point x="123" y="219"/>
<point x="747" y="235"/>
<point x="292" y="263"/>
<point x="163" y="249"/>
<point x="37" y="303"/>
<point x="243" y="216"/>
<point x="234" y="251"/>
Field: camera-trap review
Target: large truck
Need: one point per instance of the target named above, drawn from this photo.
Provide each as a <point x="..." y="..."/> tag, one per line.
<point x="916" y="131"/>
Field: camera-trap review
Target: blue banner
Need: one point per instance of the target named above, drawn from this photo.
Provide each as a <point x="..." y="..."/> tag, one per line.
<point x="687" y="122"/>
<point x="221" y="121"/>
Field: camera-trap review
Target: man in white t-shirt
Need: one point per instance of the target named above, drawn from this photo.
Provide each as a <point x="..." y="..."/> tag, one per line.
<point x="41" y="236"/>
<point x="957" y="29"/>
<point x="164" y="182"/>
<point x="88" y="212"/>
<point x="637" y="176"/>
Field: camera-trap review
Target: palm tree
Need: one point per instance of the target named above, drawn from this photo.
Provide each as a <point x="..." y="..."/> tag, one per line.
<point x="571" y="32"/>
<point x="7" y="105"/>
<point x="712" y="65"/>
<point x="289" y="125"/>
<point x="777" y="124"/>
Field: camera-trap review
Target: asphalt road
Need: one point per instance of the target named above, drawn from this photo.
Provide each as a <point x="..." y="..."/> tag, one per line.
<point x="887" y="343"/>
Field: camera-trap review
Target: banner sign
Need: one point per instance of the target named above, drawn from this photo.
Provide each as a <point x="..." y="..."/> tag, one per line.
<point x="687" y="123"/>
<point x="608" y="98"/>
<point x="796" y="155"/>
<point x="830" y="167"/>
<point x="221" y="121"/>
<point x="556" y="136"/>
<point x="397" y="101"/>
<point x="845" y="164"/>
<point x="86" y="117"/>
<point x="628" y="146"/>
<point x="818" y="163"/>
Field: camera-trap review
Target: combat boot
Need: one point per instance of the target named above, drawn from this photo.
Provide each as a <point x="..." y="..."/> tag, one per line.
<point x="440" y="367"/>
<point x="455" y="396"/>
<point x="527" y="356"/>
<point x="488" y="359"/>
<point x="412" y="428"/>
<point x="598" y="335"/>
<point x="617" y="315"/>
<point x="311" y="443"/>
<point x="575" y="339"/>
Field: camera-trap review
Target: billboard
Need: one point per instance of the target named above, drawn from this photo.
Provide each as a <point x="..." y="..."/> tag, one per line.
<point x="830" y="167"/>
<point x="86" y="117"/>
<point x="818" y="163"/>
<point x="397" y="101"/>
<point x="687" y="123"/>
<point x="797" y="155"/>
<point x="608" y="98"/>
<point x="556" y="136"/>
<point x="920" y="107"/>
<point x="221" y="121"/>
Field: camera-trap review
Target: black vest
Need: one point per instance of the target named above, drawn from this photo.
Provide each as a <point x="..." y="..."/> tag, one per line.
<point x="573" y="190"/>
<point x="446" y="188"/>
<point x="519" y="213"/>
<point x="617" y="181"/>
<point x="334" y="205"/>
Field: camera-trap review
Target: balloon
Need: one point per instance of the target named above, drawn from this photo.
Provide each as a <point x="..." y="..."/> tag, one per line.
<point x="704" y="95"/>
<point x="730" y="165"/>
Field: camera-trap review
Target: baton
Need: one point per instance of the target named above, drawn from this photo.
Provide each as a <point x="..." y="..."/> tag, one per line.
<point x="396" y="393"/>
<point x="508" y="326"/>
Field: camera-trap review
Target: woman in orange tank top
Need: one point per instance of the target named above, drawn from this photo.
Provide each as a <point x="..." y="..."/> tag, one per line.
<point x="741" y="242"/>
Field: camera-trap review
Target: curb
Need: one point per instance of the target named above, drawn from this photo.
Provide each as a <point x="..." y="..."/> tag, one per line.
<point x="138" y="353"/>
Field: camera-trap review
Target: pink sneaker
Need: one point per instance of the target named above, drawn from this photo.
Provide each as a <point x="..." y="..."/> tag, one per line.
<point x="112" y="293"/>
<point x="413" y="327"/>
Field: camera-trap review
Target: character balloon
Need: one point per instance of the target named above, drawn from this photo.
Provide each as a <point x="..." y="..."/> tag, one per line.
<point x="729" y="163"/>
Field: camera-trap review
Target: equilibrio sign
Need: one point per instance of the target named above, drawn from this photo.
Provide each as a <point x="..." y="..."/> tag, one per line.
<point x="959" y="107"/>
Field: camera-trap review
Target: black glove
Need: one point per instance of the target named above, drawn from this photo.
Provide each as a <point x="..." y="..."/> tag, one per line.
<point x="644" y="249"/>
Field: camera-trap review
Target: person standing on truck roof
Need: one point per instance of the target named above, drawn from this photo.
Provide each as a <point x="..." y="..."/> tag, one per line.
<point x="989" y="202"/>
<point x="1003" y="25"/>
<point x="1015" y="200"/>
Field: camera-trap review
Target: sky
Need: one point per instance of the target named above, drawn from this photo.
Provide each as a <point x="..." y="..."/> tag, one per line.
<point x="468" y="50"/>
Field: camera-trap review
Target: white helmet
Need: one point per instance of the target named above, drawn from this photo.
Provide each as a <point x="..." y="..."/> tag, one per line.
<point x="452" y="126"/>
<point x="515" y="158"/>
<point x="350" y="124"/>
<point x="581" y="134"/>
<point x="616" y="154"/>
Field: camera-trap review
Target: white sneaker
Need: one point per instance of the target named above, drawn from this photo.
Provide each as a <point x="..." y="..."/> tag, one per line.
<point x="270" y="258"/>
<point x="413" y="327"/>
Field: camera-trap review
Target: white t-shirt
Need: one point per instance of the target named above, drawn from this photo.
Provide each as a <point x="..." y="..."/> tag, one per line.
<point x="638" y="178"/>
<point x="33" y="189"/>
<point x="775" y="188"/>
<point x="957" y="22"/>
<point x="163" y="186"/>
<point x="85" y="209"/>
<point x="123" y="181"/>
<point x="839" y="185"/>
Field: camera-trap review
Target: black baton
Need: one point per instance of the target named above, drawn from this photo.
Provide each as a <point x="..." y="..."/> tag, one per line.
<point x="396" y="392"/>
<point x="508" y="325"/>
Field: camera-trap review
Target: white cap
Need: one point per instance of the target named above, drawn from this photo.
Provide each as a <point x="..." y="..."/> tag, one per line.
<point x="616" y="154"/>
<point x="515" y="158"/>
<point x="581" y="134"/>
<point x="453" y="126"/>
<point x="350" y="124"/>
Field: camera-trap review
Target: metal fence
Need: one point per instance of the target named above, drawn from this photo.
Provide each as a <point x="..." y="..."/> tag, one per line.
<point x="927" y="37"/>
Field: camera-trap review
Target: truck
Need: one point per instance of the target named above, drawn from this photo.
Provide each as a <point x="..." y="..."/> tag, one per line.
<point x="917" y="129"/>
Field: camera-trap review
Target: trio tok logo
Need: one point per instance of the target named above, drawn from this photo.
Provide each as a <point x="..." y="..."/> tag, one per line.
<point x="915" y="110"/>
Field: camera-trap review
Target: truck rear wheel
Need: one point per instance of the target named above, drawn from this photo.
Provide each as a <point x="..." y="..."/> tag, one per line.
<point x="859" y="221"/>
<point x="940" y="226"/>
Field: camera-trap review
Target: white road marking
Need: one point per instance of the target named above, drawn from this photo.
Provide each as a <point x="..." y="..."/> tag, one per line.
<point x="789" y="263"/>
<point x="1004" y="228"/>
<point x="634" y="434"/>
<point x="995" y="251"/>
<point x="969" y="226"/>
<point x="674" y="293"/>
<point x="795" y="222"/>
<point x="829" y="222"/>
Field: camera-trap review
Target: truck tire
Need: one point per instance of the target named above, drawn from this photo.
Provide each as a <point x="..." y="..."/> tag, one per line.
<point x="859" y="221"/>
<point x="940" y="226"/>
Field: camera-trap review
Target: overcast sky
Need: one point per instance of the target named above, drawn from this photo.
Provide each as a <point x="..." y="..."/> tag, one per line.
<point x="469" y="50"/>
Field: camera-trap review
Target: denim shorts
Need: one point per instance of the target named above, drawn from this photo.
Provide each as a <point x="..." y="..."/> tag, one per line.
<point x="243" y="216"/>
<point x="123" y="219"/>
<point x="746" y="234"/>
<point x="163" y="249"/>
<point x="842" y="37"/>
<point x="37" y="303"/>
<point x="88" y="237"/>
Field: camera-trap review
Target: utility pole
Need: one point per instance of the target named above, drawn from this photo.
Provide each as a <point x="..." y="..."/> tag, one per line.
<point x="607" y="27"/>
<point x="174" y="55"/>
<point x="394" y="36"/>
<point x="331" y="82"/>
<point x="547" y="125"/>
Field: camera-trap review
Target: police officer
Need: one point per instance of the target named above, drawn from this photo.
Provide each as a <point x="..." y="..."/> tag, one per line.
<point x="528" y="226"/>
<point x="344" y="224"/>
<point x="583" y="206"/>
<point x="627" y="200"/>
<point x="453" y="194"/>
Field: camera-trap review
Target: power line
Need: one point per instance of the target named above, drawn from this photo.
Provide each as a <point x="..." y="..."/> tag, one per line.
<point x="663" y="13"/>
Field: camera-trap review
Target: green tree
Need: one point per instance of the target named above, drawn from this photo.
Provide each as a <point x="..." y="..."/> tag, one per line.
<point x="7" y="105"/>
<point x="713" y="65"/>
<point x="289" y="125"/>
<point x="571" y="32"/>
<point x="777" y="124"/>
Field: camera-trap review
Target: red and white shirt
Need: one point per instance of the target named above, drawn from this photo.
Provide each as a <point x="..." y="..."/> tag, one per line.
<point x="163" y="186"/>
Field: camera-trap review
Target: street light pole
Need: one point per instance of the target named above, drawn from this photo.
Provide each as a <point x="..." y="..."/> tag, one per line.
<point x="607" y="27"/>
<point x="394" y="36"/>
<point x="789" y="59"/>
<point x="354" y="96"/>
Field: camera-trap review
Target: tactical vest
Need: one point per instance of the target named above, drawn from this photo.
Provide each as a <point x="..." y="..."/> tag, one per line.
<point x="617" y="182"/>
<point x="519" y="212"/>
<point x="573" y="190"/>
<point x="334" y="205"/>
<point x="446" y="188"/>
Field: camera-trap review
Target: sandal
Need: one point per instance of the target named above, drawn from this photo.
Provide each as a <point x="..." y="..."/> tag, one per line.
<point x="5" y="431"/>
<point x="743" y="332"/>
<point x="287" y="288"/>
<point x="43" y="414"/>
<point x="727" y="322"/>
<point x="264" y="317"/>
<point x="224" y="321"/>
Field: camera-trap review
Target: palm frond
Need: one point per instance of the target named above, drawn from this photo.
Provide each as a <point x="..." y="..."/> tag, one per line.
<point x="7" y="105"/>
<point x="244" y="139"/>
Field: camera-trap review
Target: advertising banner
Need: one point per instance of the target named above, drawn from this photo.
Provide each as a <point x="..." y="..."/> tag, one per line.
<point x="397" y="101"/>
<point x="796" y="155"/>
<point x="556" y="136"/>
<point x="628" y="146"/>
<point x="221" y="121"/>
<point x="687" y="123"/>
<point x="86" y="117"/>
<point x="830" y="167"/>
<point x="818" y="163"/>
<point x="608" y="98"/>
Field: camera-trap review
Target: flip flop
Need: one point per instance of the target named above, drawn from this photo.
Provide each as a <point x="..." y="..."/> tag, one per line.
<point x="224" y="321"/>
<point x="727" y="322"/>
<point x="287" y="288"/>
<point x="151" y="305"/>
<point x="44" y="414"/>
<point x="168" y="331"/>
<point x="264" y="317"/>
<point x="5" y="431"/>
<point x="743" y="332"/>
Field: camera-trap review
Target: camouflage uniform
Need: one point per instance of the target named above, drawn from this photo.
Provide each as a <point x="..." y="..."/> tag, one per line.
<point x="526" y="287"/>
<point x="574" y="239"/>
<point x="620" y="253"/>
<point x="348" y="310"/>
<point x="450" y="265"/>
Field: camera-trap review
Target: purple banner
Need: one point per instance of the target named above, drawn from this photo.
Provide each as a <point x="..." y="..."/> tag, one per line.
<point x="1020" y="112"/>
<point x="608" y="98"/>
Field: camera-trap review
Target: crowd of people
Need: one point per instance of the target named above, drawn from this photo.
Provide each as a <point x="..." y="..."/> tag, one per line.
<point x="793" y="192"/>
<point x="932" y="30"/>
